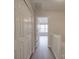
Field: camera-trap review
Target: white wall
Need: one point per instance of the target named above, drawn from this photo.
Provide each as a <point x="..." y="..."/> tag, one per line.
<point x="24" y="30"/>
<point x="56" y="24"/>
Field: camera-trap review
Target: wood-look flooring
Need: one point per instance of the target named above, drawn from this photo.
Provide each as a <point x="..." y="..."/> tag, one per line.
<point x="43" y="52"/>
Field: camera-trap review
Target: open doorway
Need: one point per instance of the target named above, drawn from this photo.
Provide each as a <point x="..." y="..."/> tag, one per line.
<point x="42" y="32"/>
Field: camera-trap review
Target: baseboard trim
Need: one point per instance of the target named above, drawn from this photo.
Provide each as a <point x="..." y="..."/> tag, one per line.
<point x="52" y="52"/>
<point x="33" y="53"/>
<point x="31" y="56"/>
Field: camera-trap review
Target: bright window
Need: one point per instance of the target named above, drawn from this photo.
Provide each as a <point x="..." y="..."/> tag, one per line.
<point x="43" y="27"/>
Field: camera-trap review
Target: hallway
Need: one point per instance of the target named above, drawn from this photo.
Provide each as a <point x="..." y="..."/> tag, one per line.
<point x="43" y="52"/>
<point x="39" y="24"/>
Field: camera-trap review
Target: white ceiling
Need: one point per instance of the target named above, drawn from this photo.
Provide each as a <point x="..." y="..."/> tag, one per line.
<point x="56" y="5"/>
